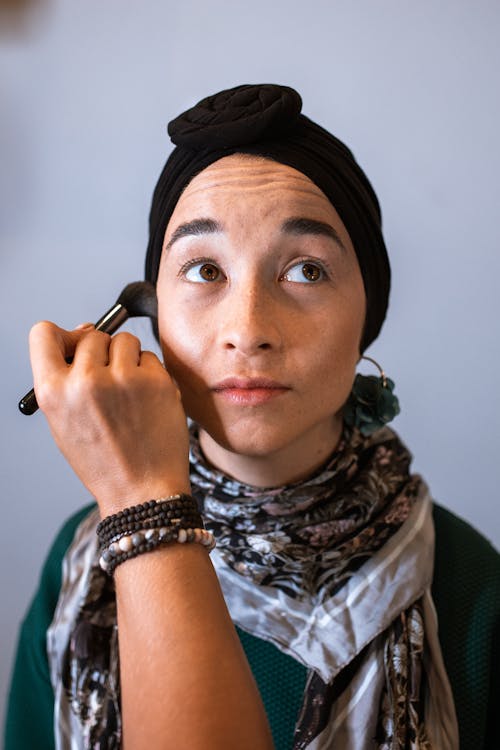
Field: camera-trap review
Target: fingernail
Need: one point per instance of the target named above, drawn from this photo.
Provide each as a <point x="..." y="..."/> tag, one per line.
<point x="84" y="327"/>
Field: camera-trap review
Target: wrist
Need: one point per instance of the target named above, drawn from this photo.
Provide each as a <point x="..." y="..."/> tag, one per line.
<point x="110" y="504"/>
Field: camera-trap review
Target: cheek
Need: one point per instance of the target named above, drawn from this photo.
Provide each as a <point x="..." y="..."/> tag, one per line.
<point x="339" y="352"/>
<point x="185" y="353"/>
<point x="335" y="368"/>
<point x="354" y="308"/>
<point x="184" y="342"/>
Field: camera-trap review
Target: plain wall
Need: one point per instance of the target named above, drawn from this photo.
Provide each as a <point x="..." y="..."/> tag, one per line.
<point x="86" y="90"/>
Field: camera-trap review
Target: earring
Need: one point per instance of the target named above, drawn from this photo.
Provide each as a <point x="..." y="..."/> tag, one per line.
<point x="372" y="403"/>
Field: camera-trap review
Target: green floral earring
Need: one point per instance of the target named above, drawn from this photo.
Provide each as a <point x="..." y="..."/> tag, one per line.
<point x="372" y="403"/>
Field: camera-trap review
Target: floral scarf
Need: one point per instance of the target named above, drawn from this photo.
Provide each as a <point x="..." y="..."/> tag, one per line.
<point x="334" y="570"/>
<point x="309" y="537"/>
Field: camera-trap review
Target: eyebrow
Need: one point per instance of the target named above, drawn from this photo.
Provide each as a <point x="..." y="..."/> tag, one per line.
<point x="194" y="228"/>
<point x="298" y="226"/>
<point x="302" y="226"/>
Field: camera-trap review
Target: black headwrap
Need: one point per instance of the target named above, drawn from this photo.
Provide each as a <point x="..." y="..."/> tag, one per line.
<point x="265" y="120"/>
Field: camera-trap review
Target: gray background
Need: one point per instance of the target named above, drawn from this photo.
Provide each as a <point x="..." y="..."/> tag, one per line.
<point x="86" y="89"/>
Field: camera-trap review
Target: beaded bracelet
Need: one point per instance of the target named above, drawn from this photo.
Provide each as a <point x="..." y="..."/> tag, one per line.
<point x="162" y="512"/>
<point x="188" y="519"/>
<point x="142" y="528"/>
<point x="146" y="540"/>
<point x="147" y="510"/>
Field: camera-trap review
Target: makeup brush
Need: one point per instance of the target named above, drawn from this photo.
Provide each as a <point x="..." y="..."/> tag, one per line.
<point x="136" y="300"/>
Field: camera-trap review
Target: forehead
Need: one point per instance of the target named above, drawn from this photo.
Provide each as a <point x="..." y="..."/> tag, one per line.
<point x="241" y="185"/>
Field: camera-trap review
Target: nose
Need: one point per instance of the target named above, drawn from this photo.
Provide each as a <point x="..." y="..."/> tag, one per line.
<point x="251" y="321"/>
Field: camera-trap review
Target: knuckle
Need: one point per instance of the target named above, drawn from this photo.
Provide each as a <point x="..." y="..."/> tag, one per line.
<point x="152" y="362"/>
<point x="41" y="327"/>
<point x="47" y="394"/>
<point x="125" y="337"/>
<point x="123" y="377"/>
<point x="88" y="384"/>
<point x="93" y="333"/>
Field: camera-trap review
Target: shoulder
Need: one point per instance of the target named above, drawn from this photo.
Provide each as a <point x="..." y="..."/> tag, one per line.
<point x="467" y="566"/>
<point x="466" y="574"/>
<point x="51" y="576"/>
<point x="30" y="689"/>
<point x="455" y="533"/>
<point x="466" y="592"/>
<point x="41" y="611"/>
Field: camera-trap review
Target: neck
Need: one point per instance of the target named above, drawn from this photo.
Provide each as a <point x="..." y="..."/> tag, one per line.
<point x="291" y="463"/>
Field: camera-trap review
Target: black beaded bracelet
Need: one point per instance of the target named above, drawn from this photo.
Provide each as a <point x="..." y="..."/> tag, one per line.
<point x="164" y="509"/>
<point x="148" y="509"/>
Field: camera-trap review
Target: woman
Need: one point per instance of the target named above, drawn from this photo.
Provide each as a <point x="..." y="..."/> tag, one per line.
<point x="272" y="279"/>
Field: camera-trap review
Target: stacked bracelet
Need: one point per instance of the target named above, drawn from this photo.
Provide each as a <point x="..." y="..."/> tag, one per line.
<point x="142" y="528"/>
<point x="165" y="509"/>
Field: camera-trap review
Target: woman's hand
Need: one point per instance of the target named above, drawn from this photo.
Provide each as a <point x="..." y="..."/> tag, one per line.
<point x="117" y="416"/>
<point x="114" y="412"/>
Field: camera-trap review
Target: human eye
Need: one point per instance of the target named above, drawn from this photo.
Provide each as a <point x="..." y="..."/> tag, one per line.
<point x="305" y="272"/>
<point x="201" y="270"/>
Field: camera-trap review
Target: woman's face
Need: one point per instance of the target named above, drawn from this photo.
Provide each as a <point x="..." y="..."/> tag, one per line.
<point x="261" y="310"/>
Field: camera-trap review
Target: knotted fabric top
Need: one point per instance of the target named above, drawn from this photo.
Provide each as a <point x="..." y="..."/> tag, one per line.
<point x="237" y="117"/>
<point x="266" y="120"/>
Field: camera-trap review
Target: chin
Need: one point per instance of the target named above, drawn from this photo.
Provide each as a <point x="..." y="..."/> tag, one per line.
<point x="256" y="439"/>
<point x="251" y="442"/>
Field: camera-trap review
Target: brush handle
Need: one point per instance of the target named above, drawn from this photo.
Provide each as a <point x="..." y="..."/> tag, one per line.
<point x="109" y="323"/>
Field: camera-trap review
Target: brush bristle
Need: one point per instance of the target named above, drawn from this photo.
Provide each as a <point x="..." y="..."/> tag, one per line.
<point x="139" y="298"/>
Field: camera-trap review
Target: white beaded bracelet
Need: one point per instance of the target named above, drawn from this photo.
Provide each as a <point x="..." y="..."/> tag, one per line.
<point x="146" y="540"/>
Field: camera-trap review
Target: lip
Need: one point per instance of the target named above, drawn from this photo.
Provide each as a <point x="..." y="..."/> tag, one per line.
<point x="249" y="391"/>
<point x="245" y="383"/>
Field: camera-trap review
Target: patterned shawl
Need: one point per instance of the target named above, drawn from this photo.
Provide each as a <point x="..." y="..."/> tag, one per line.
<point x="335" y="571"/>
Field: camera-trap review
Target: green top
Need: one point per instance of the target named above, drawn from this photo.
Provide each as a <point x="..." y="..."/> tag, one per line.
<point x="466" y="592"/>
